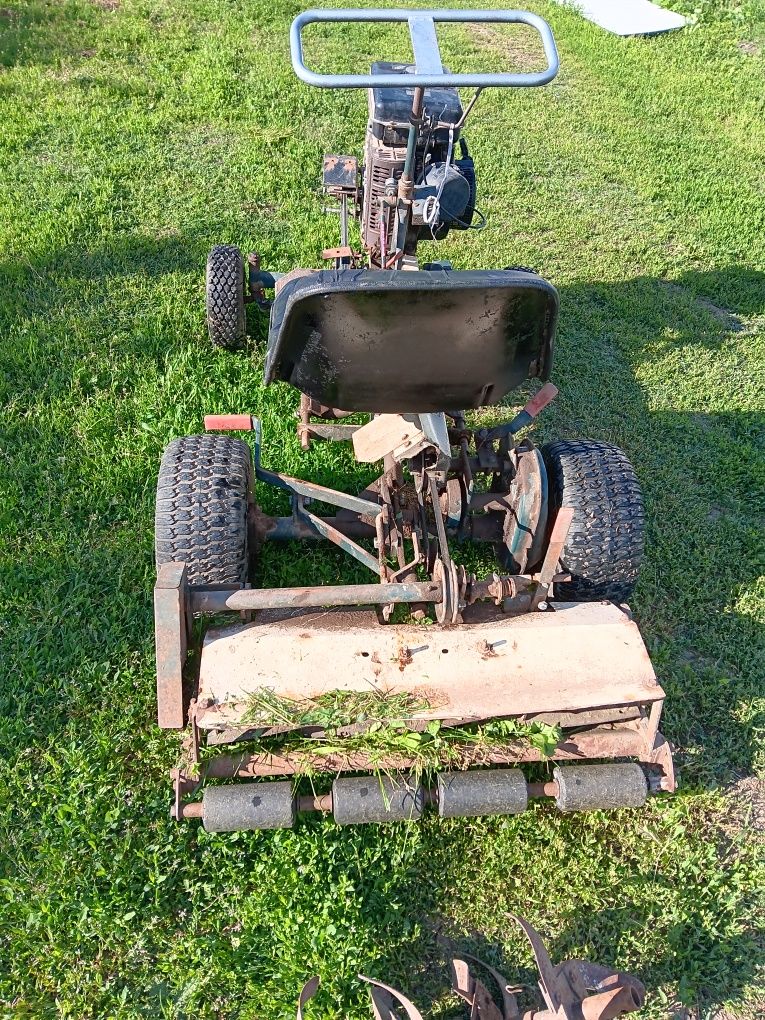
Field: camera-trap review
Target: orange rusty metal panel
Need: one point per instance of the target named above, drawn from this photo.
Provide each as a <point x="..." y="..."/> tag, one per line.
<point x="170" y="636"/>
<point x="582" y="656"/>
<point x="343" y="252"/>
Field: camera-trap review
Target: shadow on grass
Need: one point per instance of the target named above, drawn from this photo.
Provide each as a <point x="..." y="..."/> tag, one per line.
<point x="694" y="943"/>
<point x="703" y="477"/>
<point x="42" y="34"/>
<point x="690" y="937"/>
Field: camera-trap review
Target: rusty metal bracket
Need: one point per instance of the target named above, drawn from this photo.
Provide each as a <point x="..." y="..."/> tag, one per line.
<point x="171" y="631"/>
<point x="339" y="539"/>
<point x="308" y="429"/>
<point x="308" y="991"/>
<point x="549" y="569"/>
<point x="183" y="786"/>
<point x="574" y="990"/>
<point x="331" y="433"/>
<point x="566" y="988"/>
<point x="340" y="172"/>
<point x="342" y="252"/>
<point x="478" y="997"/>
<point x="661" y="757"/>
<point x="191" y="741"/>
<point x="322" y="494"/>
<point x="385" y="999"/>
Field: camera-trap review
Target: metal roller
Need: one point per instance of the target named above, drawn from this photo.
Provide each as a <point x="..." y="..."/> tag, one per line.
<point x="600" y="787"/>
<point x="490" y="792"/>
<point x="360" y="799"/>
<point x="248" y="806"/>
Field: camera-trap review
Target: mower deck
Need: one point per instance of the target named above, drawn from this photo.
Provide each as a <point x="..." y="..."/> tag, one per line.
<point x="579" y="657"/>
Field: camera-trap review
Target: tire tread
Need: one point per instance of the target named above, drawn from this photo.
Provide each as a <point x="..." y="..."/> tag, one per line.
<point x="224" y="292"/>
<point x="201" y="510"/>
<point x="605" y="544"/>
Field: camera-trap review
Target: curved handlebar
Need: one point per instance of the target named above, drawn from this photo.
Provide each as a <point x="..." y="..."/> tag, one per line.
<point x="428" y="71"/>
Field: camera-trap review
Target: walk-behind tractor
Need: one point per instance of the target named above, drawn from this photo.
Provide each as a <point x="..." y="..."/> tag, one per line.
<point x="429" y="665"/>
<point x="574" y="990"/>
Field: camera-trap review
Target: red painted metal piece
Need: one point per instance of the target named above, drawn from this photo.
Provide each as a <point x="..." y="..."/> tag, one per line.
<point x="228" y="423"/>
<point x="540" y="400"/>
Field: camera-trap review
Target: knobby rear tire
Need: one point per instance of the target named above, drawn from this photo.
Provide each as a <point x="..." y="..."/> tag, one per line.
<point x="201" y="511"/>
<point x="605" y="543"/>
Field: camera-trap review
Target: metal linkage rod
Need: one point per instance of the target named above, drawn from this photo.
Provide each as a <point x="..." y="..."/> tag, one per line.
<point x="212" y="601"/>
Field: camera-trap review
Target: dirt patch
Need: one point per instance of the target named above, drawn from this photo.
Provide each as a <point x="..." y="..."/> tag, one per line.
<point x="727" y="319"/>
<point x="692" y="658"/>
<point x="751" y="1011"/>
<point x="746" y="799"/>
<point x="519" y="45"/>
<point x="107" y="5"/>
<point x="752" y="49"/>
<point x="723" y="316"/>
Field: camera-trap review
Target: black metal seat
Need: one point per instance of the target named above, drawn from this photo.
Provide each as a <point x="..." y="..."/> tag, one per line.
<point x="367" y="340"/>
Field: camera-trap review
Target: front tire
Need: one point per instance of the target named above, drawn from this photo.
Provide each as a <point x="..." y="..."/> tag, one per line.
<point x="605" y="543"/>
<point x="224" y="295"/>
<point x="203" y="492"/>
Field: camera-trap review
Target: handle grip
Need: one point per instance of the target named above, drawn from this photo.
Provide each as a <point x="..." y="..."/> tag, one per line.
<point x="428" y="73"/>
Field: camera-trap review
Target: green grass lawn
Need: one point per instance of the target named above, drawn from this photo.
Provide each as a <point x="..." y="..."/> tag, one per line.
<point x="133" y="136"/>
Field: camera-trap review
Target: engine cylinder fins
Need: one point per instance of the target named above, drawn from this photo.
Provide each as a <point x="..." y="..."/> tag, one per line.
<point x="487" y="792"/>
<point x="600" y="787"/>
<point x="248" y="806"/>
<point x="357" y="800"/>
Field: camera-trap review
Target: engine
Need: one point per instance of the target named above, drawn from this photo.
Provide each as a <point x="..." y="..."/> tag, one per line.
<point x="444" y="174"/>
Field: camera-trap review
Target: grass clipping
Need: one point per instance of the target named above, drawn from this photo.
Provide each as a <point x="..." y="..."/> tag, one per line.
<point x="347" y="729"/>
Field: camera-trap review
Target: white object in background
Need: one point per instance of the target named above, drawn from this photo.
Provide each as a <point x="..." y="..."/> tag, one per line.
<point x="627" y="17"/>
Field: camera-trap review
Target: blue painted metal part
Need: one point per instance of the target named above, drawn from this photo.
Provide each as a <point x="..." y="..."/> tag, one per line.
<point x="262" y="278"/>
<point x="520" y="421"/>
<point x="309" y="490"/>
<point x="342" y="541"/>
<point x="537" y="546"/>
<point x="423" y="38"/>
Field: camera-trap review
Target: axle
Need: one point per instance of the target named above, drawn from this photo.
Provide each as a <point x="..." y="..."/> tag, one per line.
<point x="395" y="796"/>
<point x="212" y="601"/>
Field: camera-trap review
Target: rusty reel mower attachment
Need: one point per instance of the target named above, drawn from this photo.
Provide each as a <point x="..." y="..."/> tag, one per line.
<point x="543" y="643"/>
<point x="501" y="647"/>
<point x="574" y="990"/>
